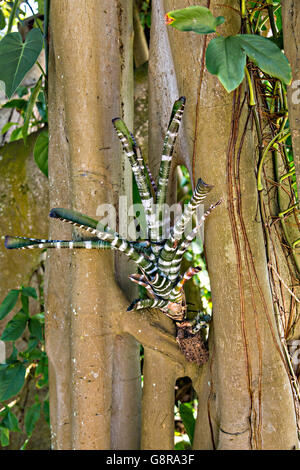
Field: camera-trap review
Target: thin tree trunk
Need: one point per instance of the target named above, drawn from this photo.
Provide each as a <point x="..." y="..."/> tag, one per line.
<point x="88" y="63"/>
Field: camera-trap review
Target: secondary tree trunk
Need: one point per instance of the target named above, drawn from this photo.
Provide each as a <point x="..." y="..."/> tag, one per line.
<point x="91" y="45"/>
<point x="250" y="401"/>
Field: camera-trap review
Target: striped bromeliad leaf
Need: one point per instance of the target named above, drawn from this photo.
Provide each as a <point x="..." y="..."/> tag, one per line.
<point x="159" y="260"/>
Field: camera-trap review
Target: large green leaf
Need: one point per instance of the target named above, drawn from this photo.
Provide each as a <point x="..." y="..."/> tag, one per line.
<point x="226" y="59"/>
<point x="31" y="418"/>
<point x="2" y="20"/>
<point x="17" y="57"/>
<point x="187" y="416"/>
<point x="4" y="436"/>
<point x="29" y="110"/>
<point x="194" y="18"/>
<point x="10" y="421"/>
<point x="40" y="152"/>
<point x="12" y="378"/>
<point x="15" y="327"/>
<point x="9" y="302"/>
<point x="266" y="55"/>
<point x="35" y="326"/>
<point x="29" y="292"/>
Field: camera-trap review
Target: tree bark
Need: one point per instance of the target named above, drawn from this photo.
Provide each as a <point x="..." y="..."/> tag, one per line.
<point x="88" y="67"/>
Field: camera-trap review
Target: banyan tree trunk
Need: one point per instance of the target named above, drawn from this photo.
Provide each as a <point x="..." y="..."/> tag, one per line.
<point x="89" y="67"/>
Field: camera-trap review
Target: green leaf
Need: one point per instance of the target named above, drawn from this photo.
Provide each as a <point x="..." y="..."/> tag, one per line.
<point x="187" y="416"/>
<point x="24" y="445"/>
<point x="7" y="126"/>
<point x="4" y="436"/>
<point x="16" y="134"/>
<point x="194" y="18"/>
<point x="42" y="107"/>
<point x="13" y="14"/>
<point x="12" y="378"/>
<point x="15" y="327"/>
<point x="29" y="292"/>
<point x="29" y="110"/>
<point x="25" y="304"/>
<point x="41" y="371"/>
<point x="31" y="418"/>
<point x="2" y="20"/>
<point x="226" y="59"/>
<point x="17" y="57"/>
<point x="46" y="411"/>
<point x="182" y="445"/>
<point x="32" y="344"/>
<point x="41" y="6"/>
<point x="40" y="152"/>
<point x="17" y="103"/>
<point x="8" y="303"/>
<point x="13" y="357"/>
<point x="21" y="91"/>
<point x="10" y="421"/>
<point x="35" y="326"/>
<point x="267" y="56"/>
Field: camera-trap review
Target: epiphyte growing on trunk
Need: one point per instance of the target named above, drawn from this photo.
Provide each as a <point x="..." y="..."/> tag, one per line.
<point x="158" y="259"/>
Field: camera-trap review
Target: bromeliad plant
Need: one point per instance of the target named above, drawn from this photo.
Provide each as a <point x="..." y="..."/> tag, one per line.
<point x="158" y="259"/>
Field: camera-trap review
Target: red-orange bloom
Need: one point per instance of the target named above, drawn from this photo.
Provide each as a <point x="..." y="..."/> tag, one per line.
<point x="169" y="19"/>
